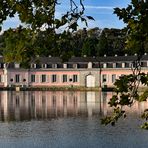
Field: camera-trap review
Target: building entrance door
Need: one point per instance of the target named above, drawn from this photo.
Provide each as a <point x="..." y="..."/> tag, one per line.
<point x="90" y="81"/>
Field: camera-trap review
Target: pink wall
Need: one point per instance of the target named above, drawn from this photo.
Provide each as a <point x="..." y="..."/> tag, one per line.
<point x="118" y="73"/>
<point x="23" y="75"/>
<point x="59" y="75"/>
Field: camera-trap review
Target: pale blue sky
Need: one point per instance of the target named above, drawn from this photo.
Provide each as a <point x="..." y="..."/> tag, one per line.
<point x="101" y="10"/>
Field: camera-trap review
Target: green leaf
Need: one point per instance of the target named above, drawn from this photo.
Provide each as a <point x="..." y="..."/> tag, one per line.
<point x="113" y="101"/>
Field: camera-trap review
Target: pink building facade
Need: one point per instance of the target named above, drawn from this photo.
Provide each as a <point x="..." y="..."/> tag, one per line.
<point x="77" y="72"/>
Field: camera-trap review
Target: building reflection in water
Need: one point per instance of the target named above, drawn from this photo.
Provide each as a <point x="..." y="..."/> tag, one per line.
<point x="19" y="106"/>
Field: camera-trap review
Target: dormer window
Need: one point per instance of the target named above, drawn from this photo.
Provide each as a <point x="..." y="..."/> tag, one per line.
<point x="82" y="65"/>
<point x="64" y="65"/>
<point x="114" y="65"/>
<point x="17" y="65"/>
<point x="69" y="65"/>
<point x="90" y="65"/>
<point x="119" y="65"/>
<point x="54" y="65"/>
<point x="123" y="65"/>
<point x="33" y="65"/>
<point x="74" y="65"/>
<point x="59" y="65"/>
<point x="127" y="65"/>
<point x="104" y="65"/>
<point x="44" y="65"/>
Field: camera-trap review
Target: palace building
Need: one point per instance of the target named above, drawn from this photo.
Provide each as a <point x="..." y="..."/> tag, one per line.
<point x="78" y="71"/>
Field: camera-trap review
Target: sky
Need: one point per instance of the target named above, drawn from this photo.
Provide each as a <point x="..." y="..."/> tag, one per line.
<point x="100" y="10"/>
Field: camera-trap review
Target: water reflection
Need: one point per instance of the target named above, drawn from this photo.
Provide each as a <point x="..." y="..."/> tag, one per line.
<point x="21" y="106"/>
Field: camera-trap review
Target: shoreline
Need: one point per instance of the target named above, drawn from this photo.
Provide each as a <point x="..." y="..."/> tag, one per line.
<point x="78" y="88"/>
<point x="17" y="88"/>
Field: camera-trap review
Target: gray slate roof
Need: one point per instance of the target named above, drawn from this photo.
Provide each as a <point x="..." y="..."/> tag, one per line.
<point x="105" y="59"/>
<point x="82" y="60"/>
<point x="50" y="60"/>
<point x="117" y="58"/>
<point x="121" y="58"/>
<point x="46" y="60"/>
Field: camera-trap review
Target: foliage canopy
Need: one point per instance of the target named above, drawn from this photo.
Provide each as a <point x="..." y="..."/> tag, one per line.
<point x="126" y="88"/>
<point x="39" y="19"/>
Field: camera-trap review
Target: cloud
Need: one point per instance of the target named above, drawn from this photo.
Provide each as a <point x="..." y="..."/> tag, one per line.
<point x="99" y="7"/>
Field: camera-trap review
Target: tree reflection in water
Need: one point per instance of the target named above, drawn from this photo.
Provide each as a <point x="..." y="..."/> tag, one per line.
<point x="45" y="105"/>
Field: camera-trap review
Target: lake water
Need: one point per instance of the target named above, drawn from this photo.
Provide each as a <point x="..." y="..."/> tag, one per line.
<point x="68" y="119"/>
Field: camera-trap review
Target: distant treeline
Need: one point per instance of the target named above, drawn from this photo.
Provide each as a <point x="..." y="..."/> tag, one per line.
<point x="20" y="43"/>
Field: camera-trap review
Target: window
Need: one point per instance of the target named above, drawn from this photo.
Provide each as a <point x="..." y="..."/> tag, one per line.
<point x="114" y="65"/>
<point x="90" y="64"/>
<point x="70" y="79"/>
<point x="17" y="78"/>
<point x="110" y="65"/>
<point x="75" y="78"/>
<point x="123" y="65"/>
<point x="44" y="65"/>
<point x="82" y="65"/>
<point x="64" y="78"/>
<point x="59" y="65"/>
<point x="113" y="78"/>
<point x="24" y="80"/>
<point x="143" y="64"/>
<point x="69" y="65"/>
<point x="127" y="65"/>
<point x="104" y="65"/>
<point x="54" y="78"/>
<point x="43" y="78"/>
<point x="32" y="78"/>
<point x="104" y="78"/>
<point x="119" y="65"/>
<point x="17" y="65"/>
<point x="33" y="65"/>
<point x="74" y="65"/>
<point x="54" y="65"/>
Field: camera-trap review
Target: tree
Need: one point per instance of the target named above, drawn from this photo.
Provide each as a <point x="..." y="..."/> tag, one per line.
<point x="126" y="88"/>
<point x="116" y="41"/>
<point x="89" y="46"/>
<point x="19" y="45"/>
<point x="136" y="18"/>
<point x="40" y="15"/>
<point x="102" y="47"/>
